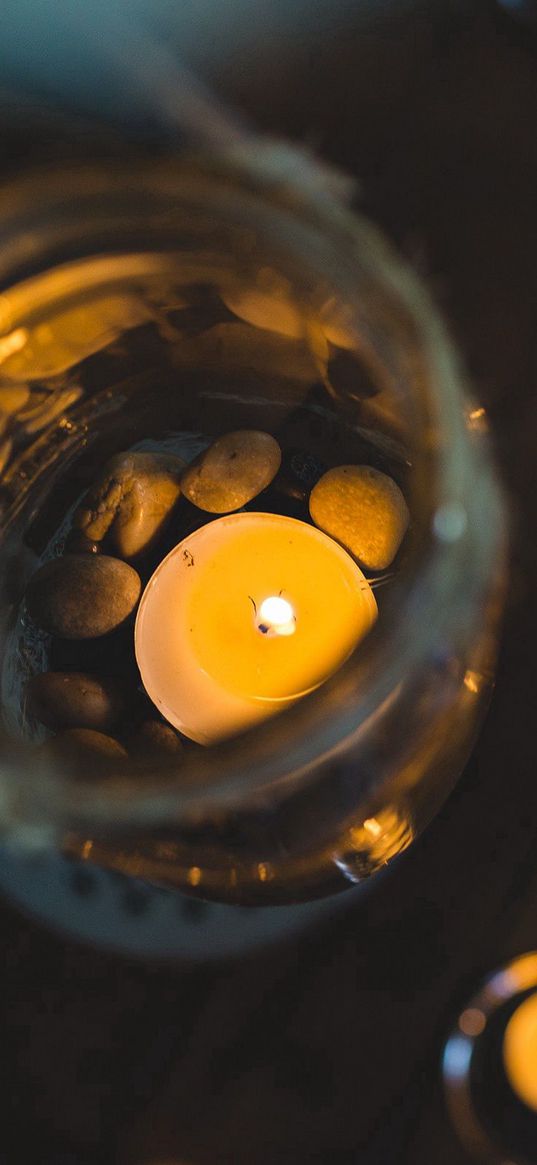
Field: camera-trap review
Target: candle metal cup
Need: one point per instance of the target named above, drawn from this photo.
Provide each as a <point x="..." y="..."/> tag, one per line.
<point x="163" y="298"/>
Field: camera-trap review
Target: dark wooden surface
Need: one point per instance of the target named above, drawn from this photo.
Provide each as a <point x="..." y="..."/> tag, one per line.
<point x="327" y="1050"/>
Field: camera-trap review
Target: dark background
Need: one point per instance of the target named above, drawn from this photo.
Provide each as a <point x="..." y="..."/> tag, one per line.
<point x="327" y="1049"/>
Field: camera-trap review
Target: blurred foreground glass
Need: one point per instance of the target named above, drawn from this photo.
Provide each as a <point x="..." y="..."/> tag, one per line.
<point x="116" y="328"/>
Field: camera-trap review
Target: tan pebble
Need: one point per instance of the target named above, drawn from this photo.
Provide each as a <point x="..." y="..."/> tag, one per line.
<point x="362" y="509"/>
<point x="85" y="753"/>
<point x="72" y="334"/>
<point x="82" y="596"/>
<point x="236" y="468"/>
<point x="14" y="398"/>
<point x="132" y="499"/>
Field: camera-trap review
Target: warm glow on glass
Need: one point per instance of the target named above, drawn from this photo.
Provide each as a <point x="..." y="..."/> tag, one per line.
<point x="477" y="419"/>
<point x="520" y="1051"/>
<point x="373" y="826"/>
<point x="375" y="841"/>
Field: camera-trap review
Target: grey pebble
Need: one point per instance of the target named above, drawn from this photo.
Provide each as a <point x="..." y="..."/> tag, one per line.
<point x="85" y="753"/>
<point x="82" y="596"/>
<point x="131" y="501"/>
<point x="75" y="700"/>
<point x="232" y="471"/>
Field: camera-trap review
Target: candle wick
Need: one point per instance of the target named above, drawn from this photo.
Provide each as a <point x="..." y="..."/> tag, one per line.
<point x="379" y="581"/>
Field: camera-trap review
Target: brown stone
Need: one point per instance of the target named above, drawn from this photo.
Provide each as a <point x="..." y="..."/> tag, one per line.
<point x="82" y="596"/>
<point x="232" y="471"/>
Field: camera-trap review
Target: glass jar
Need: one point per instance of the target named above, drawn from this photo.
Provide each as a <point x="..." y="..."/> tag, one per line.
<point x="165" y="300"/>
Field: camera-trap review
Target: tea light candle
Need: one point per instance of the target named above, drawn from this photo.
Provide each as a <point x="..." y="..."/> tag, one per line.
<point x="245" y="616"/>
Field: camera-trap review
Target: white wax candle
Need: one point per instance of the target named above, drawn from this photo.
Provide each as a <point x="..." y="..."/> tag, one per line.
<point x="244" y="617"/>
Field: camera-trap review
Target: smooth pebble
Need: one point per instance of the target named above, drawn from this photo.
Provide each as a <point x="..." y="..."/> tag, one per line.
<point x="132" y="500"/>
<point x="82" y="596"/>
<point x="75" y="700"/>
<point x="156" y="739"/>
<point x="85" y="753"/>
<point x="362" y="509"/>
<point x="236" y="468"/>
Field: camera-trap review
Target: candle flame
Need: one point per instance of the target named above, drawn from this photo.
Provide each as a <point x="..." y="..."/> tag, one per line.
<point x="276" y="617"/>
